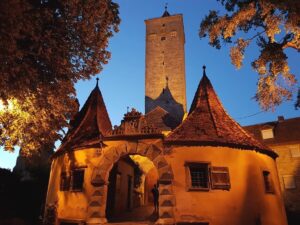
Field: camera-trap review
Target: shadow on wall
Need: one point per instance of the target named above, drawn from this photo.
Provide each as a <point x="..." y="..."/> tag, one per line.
<point x="166" y="101"/>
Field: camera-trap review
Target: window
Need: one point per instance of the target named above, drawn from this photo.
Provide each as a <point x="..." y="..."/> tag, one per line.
<point x="64" y="181"/>
<point x="295" y="151"/>
<point x="267" y="134"/>
<point x="199" y="175"/>
<point x="163" y="38"/>
<point x="73" y="182"/>
<point x="173" y="34"/>
<point x="203" y="176"/>
<point x="77" y="179"/>
<point x="289" y="182"/>
<point x="269" y="188"/>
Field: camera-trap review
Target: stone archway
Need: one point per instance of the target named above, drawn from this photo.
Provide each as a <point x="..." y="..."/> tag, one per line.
<point x="97" y="203"/>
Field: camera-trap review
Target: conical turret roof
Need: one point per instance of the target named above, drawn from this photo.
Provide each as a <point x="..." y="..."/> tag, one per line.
<point x="209" y="124"/>
<point x="91" y="122"/>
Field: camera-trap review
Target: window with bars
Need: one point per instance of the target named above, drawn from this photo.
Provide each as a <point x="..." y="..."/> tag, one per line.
<point x="72" y="181"/>
<point x="203" y="176"/>
<point x="199" y="175"/>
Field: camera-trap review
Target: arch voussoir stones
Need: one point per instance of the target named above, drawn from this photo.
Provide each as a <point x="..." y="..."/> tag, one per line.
<point x="153" y="152"/>
<point x="142" y="148"/>
<point x="131" y="147"/>
<point x="99" y="179"/>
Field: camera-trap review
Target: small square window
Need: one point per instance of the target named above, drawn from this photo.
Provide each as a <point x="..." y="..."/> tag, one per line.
<point x="198" y="177"/>
<point x="269" y="188"/>
<point x="173" y="34"/>
<point x="295" y="151"/>
<point x="289" y="181"/>
<point x="267" y="134"/>
<point x="163" y="38"/>
<point x="77" y="179"/>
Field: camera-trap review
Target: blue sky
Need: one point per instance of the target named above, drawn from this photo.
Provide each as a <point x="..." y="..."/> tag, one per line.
<point x="122" y="79"/>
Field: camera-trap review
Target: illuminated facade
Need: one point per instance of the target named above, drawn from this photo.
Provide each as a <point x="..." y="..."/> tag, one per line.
<point x="283" y="137"/>
<point x="209" y="170"/>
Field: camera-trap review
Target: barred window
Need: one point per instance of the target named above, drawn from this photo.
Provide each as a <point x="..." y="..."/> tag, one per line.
<point x="72" y="181"/>
<point x="202" y="176"/>
<point x="198" y="176"/>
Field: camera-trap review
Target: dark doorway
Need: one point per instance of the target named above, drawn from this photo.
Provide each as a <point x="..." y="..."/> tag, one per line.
<point x="129" y="191"/>
<point x="129" y="196"/>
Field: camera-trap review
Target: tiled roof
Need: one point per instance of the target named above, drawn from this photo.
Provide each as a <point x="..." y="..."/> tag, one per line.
<point x="284" y="130"/>
<point x="209" y="124"/>
<point x="161" y="119"/>
<point x="91" y="123"/>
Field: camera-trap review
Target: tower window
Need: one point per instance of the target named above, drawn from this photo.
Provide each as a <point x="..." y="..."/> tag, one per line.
<point x="163" y="38"/>
<point x="173" y="34"/>
<point x="163" y="24"/>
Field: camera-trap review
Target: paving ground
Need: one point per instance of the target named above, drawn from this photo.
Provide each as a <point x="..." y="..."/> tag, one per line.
<point x="139" y="216"/>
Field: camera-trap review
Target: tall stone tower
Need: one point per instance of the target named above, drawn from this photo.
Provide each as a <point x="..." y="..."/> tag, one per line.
<point x="165" y="65"/>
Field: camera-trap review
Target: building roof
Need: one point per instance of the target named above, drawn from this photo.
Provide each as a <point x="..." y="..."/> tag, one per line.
<point x="161" y="119"/>
<point x="209" y="124"/>
<point x="284" y="131"/>
<point x="91" y="122"/>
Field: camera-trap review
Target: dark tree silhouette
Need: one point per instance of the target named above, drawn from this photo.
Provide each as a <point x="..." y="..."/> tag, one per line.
<point x="46" y="47"/>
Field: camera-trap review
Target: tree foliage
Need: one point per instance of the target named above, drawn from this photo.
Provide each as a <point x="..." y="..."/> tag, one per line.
<point x="46" y="47"/>
<point x="275" y="26"/>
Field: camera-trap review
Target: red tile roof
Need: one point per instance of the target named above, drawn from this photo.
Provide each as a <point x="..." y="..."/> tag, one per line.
<point x="92" y="122"/>
<point x="161" y="119"/>
<point x="209" y="124"/>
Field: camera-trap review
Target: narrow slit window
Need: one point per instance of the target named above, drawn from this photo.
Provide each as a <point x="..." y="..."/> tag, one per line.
<point x="269" y="188"/>
<point x="77" y="179"/>
<point x="64" y="181"/>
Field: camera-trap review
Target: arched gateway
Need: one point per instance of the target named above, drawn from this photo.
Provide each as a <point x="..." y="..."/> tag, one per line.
<point x="100" y="175"/>
<point x="210" y="170"/>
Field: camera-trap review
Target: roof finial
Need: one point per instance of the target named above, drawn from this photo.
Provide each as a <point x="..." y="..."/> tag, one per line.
<point x="204" y="73"/>
<point x="166" y="13"/>
<point x="97" y="80"/>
